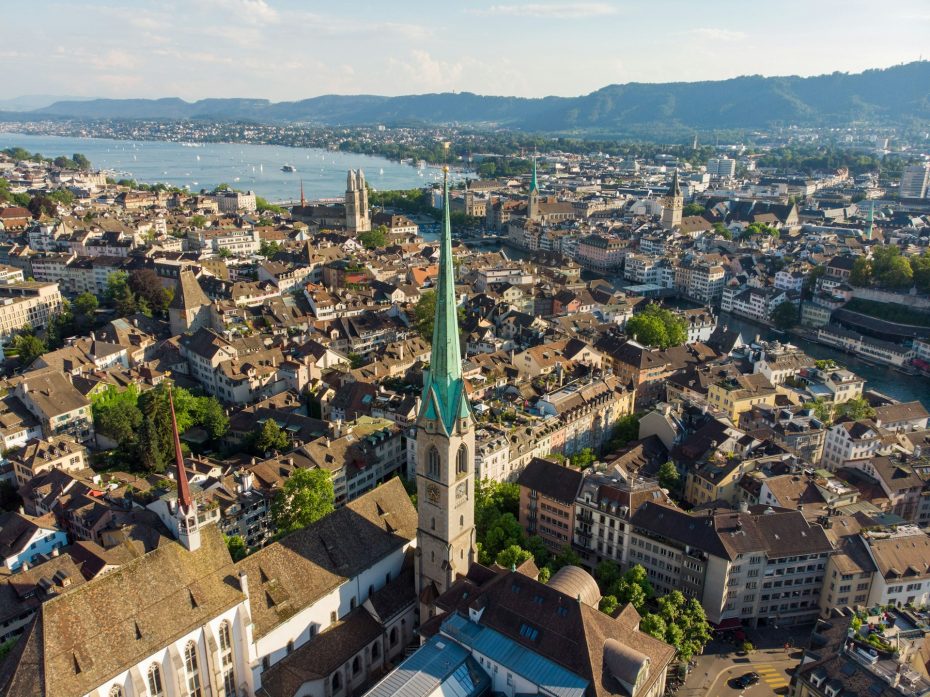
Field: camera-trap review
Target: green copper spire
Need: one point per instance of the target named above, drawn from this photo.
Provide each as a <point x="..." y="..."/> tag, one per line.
<point x="534" y="185"/>
<point x="443" y="389"/>
<point x="868" y="233"/>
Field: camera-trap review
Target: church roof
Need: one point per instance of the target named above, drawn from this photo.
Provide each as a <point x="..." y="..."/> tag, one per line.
<point x="188" y="293"/>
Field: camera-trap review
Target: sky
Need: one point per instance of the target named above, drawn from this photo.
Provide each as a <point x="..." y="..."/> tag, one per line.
<point x="285" y="50"/>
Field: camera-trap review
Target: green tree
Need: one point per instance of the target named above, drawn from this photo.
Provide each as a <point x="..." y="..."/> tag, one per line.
<point x="669" y="478"/>
<point x="723" y="231"/>
<point x="268" y="248"/>
<point x="356" y="360"/>
<point x="584" y="458"/>
<point x="424" y="314"/>
<point x="626" y="429"/>
<point x="28" y="347"/>
<point x="120" y="295"/>
<point x="810" y="280"/>
<point x="150" y="452"/>
<point x="503" y="533"/>
<point x="512" y="556"/>
<point x="658" y="327"/>
<point x="263" y="206"/>
<point x="198" y="221"/>
<point x="566" y="557"/>
<point x="147" y="286"/>
<point x="785" y="315"/>
<point x="267" y="438"/>
<point x="80" y="160"/>
<point x="855" y="409"/>
<point x="607" y="574"/>
<point x="307" y="496"/>
<point x="84" y="308"/>
<point x="823" y="409"/>
<point x="633" y="587"/>
<point x="754" y="229"/>
<point x="679" y="622"/>
<point x="693" y="209"/>
<point x="899" y="274"/>
<point x="608" y="605"/>
<point x="861" y="273"/>
<point x="376" y="238"/>
<point x="210" y="414"/>
<point x="236" y="546"/>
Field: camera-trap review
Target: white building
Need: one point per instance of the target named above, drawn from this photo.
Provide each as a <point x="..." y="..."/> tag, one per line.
<point x="914" y="181"/>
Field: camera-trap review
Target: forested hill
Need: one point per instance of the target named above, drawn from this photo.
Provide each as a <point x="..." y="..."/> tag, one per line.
<point x="897" y="95"/>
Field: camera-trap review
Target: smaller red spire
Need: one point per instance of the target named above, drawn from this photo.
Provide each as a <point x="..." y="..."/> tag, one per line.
<point x="184" y="492"/>
<point x="303" y="201"/>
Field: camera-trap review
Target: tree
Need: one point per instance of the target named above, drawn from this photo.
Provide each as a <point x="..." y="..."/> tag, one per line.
<point x="855" y="409"/>
<point x="668" y="475"/>
<point x="505" y="532"/>
<point x="376" y="238"/>
<point x="810" y="280"/>
<point x="262" y="206"/>
<point x="899" y="273"/>
<point x="150" y="452"/>
<point x="584" y="458"/>
<point x="210" y="414"/>
<point x="147" y="286"/>
<point x="198" y="221"/>
<point x="307" y="496"/>
<point x="607" y="574"/>
<point x="43" y="206"/>
<point x="355" y="360"/>
<point x="861" y="273"/>
<point x="84" y="308"/>
<point x="28" y="347"/>
<point x="823" y="409"/>
<point x="268" y="248"/>
<point x="785" y="315"/>
<point x="120" y="295"/>
<point x="633" y="587"/>
<point x="920" y="266"/>
<point x="656" y="326"/>
<point x="679" y="622"/>
<point x="236" y="546"/>
<point x="81" y="161"/>
<point x="512" y="557"/>
<point x="626" y="428"/>
<point x="693" y="209"/>
<point x="267" y="438"/>
<point x="754" y="229"/>
<point x="723" y="231"/>
<point x="608" y="605"/>
<point x="424" y="314"/>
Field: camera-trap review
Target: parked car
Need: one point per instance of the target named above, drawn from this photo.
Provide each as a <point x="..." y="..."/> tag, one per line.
<point x="747" y="680"/>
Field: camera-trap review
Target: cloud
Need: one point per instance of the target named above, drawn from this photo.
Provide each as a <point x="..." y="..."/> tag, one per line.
<point x="715" y="34"/>
<point x="567" y="10"/>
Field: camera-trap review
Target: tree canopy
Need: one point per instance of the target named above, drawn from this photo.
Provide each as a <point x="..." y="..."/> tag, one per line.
<point x="307" y="496"/>
<point x="785" y="315"/>
<point x="657" y="327"/>
<point x="679" y="622"/>
<point x="267" y="438"/>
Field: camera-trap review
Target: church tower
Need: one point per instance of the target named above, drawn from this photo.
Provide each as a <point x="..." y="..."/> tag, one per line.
<point x="445" y="448"/>
<point x="358" y="217"/>
<point x="187" y="527"/>
<point x="532" y="204"/>
<point x="672" y="204"/>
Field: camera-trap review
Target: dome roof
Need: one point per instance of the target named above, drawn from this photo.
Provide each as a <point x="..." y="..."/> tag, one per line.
<point x="576" y="583"/>
<point x="626" y="664"/>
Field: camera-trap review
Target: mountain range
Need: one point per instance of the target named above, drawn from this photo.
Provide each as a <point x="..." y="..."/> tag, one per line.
<point x="896" y="95"/>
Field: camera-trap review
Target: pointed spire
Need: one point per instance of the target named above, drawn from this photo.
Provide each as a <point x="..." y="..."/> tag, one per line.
<point x="534" y="183"/>
<point x="444" y="389"/>
<point x="303" y="201"/>
<point x="868" y="234"/>
<point x="185" y="502"/>
<point x="675" y="188"/>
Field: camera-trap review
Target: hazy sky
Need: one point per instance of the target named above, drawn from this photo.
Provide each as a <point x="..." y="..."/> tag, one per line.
<point x="290" y="49"/>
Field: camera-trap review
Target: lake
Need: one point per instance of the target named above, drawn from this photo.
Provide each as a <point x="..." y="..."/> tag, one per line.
<point x="255" y="167"/>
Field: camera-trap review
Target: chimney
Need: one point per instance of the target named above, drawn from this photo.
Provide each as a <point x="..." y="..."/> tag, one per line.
<point x="244" y="583"/>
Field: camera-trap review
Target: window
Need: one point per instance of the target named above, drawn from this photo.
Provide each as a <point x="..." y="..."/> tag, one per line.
<point x="432" y="463"/>
<point x="227" y="668"/>
<point x="192" y="671"/>
<point x="156" y="689"/>
<point x="337" y="682"/>
<point x="461" y="460"/>
<point x="392" y="637"/>
<point x="356" y="665"/>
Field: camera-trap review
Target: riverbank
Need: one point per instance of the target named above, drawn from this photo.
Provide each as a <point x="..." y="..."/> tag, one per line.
<point x="880" y="378"/>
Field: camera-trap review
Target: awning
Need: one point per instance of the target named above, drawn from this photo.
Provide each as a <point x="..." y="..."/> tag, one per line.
<point x="728" y="624"/>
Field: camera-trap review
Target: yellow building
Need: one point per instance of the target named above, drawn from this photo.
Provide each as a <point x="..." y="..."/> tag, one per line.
<point x="733" y="396"/>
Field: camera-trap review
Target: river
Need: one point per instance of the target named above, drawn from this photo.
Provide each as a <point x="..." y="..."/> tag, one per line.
<point x="255" y="167"/>
<point x="904" y="388"/>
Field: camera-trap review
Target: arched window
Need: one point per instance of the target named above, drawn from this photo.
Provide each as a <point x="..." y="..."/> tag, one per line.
<point x="432" y="462"/>
<point x="375" y="650"/>
<point x="156" y="689"/>
<point x="393" y="636"/>
<point x="192" y="670"/>
<point x="116" y="691"/>
<point x="461" y="460"/>
<point x="356" y="665"/>
<point x="461" y="521"/>
<point x="337" y="682"/>
<point x="227" y="667"/>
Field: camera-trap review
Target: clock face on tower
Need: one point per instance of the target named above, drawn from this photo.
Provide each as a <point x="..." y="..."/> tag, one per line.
<point x="461" y="491"/>
<point x="432" y="493"/>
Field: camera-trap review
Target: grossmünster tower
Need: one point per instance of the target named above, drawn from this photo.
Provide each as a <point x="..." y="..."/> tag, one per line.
<point x="445" y="447"/>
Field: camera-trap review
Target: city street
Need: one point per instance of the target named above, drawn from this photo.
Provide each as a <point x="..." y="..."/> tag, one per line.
<point x="717" y="669"/>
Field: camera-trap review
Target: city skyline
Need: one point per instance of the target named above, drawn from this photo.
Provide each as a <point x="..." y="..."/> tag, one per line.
<point x="284" y="50"/>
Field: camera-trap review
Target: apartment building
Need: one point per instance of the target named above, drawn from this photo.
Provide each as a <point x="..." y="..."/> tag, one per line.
<point x="547" y="501"/>
<point x="27" y="304"/>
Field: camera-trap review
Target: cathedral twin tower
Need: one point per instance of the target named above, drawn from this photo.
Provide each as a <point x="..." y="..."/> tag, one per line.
<point x="445" y="448"/>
